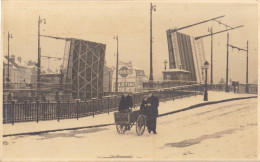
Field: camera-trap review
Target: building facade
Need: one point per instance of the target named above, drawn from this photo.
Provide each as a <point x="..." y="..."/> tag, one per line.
<point x="20" y="73"/>
<point x="107" y="79"/>
<point x="130" y="78"/>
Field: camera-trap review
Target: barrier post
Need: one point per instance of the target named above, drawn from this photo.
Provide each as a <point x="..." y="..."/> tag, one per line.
<point x="37" y="111"/>
<point x="13" y="112"/>
<point x="77" y="109"/>
<point x="58" y="111"/>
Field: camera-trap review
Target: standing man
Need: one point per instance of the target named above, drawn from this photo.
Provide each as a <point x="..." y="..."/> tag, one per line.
<point x="153" y="103"/>
<point x="129" y="101"/>
<point x="122" y="105"/>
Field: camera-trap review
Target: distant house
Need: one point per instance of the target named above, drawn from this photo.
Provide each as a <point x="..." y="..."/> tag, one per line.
<point x="132" y="82"/>
<point x="20" y="72"/>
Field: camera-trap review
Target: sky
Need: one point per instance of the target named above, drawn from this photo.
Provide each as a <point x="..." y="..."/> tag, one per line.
<point x="100" y="21"/>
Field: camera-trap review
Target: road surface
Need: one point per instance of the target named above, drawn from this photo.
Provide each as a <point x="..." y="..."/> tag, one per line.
<point x="224" y="131"/>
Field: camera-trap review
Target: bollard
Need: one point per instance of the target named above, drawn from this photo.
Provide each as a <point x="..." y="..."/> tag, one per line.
<point x="181" y="93"/>
<point x="37" y="109"/>
<point x="93" y="108"/>
<point x="108" y="104"/>
<point x="115" y="102"/>
<point x="195" y="89"/>
<point x="101" y="104"/>
<point x="68" y="113"/>
<point x="58" y="111"/>
<point x="44" y="110"/>
<point x="13" y="112"/>
<point x="134" y="100"/>
<point x="77" y="109"/>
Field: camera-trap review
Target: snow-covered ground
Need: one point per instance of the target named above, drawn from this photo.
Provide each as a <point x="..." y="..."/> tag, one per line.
<point x="164" y="107"/>
<point x="224" y="131"/>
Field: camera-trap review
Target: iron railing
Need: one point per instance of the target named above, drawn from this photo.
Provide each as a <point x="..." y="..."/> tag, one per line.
<point x="23" y="112"/>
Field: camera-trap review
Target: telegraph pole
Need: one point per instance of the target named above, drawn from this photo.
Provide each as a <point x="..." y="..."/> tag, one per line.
<point x="247" y="88"/>
<point x="8" y="67"/>
<point x="211" y="67"/>
<point x="246" y="50"/>
<point x="116" y="88"/>
<point x="227" y="88"/>
<point x="39" y="56"/>
<point x="152" y="8"/>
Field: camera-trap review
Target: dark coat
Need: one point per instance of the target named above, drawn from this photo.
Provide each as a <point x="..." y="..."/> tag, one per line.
<point x="122" y="105"/>
<point x="143" y="107"/>
<point x="128" y="101"/>
<point x="154" y="101"/>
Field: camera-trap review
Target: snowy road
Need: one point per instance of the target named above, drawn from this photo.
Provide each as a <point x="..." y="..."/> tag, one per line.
<point x="222" y="131"/>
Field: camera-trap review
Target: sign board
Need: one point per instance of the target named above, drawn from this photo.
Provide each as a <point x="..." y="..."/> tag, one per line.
<point x="124" y="71"/>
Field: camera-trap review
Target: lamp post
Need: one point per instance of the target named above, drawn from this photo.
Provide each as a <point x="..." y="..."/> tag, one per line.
<point x="152" y="8"/>
<point x="116" y="38"/>
<point x="206" y="66"/>
<point x="39" y="56"/>
<point x="226" y="87"/>
<point x="247" y="88"/>
<point x="8" y="71"/>
<point x="165" y="64"/>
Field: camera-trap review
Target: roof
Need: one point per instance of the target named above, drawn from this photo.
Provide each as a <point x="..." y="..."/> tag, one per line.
<point x="176" y="70"/>
<point x="5" y="61"/>
<point x="137" y="68"/>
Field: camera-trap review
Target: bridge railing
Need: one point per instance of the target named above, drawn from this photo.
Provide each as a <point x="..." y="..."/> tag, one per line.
<point x="22" y="112"/>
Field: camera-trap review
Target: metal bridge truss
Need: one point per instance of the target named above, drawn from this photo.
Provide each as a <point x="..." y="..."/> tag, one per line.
<point x="85" y="68"/>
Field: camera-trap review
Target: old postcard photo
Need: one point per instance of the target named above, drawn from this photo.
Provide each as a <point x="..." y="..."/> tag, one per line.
<point x="129" y="80"/>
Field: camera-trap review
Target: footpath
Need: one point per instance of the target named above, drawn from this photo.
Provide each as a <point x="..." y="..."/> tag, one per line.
<point x="165" y="108"/>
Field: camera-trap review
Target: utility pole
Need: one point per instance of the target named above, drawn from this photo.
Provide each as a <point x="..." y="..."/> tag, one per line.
<point x="227" y="88"/>
<point x="8" y="67"/>
<point x="152" y="8"/>
<point x="211" y="61"/>
<point x="39" y="57"/>
<point x="116" y="88"/>
<point x="246" y="50"/>
<point x="247" y="88"/>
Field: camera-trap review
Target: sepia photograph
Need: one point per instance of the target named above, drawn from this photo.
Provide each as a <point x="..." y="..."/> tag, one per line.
<point x="132" y="80"/>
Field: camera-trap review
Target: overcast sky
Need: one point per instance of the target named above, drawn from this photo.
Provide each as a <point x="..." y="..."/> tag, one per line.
<point x="99" y="21"/>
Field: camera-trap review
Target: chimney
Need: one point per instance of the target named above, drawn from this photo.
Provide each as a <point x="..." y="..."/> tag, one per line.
<point x="12" y="58"/>
<point x="19" y="59"/>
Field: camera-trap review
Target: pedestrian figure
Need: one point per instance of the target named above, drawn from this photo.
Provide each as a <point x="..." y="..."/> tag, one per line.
<point x="153" y="104"/>
<point x="129" y="101"/>
<point x="143" y="107"/>
<point x="122" y="105"/>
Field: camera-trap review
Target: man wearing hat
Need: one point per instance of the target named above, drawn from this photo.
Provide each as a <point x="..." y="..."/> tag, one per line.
<point x="153" y="103"/>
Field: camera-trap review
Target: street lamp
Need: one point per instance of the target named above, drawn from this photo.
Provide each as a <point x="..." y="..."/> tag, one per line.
<point x="8" y="71"/>
<point x="116" y="38"/>
<point x="206" y="66"/>
<point x="165" y="64"/>
<point x="152" y="8"/>
<point x="39" y="55"/>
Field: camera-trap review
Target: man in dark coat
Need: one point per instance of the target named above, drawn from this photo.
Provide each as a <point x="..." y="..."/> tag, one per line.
<point x="128" y="101"/>
<point x="122" y="105"/>
<point x="153" y="113"/>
